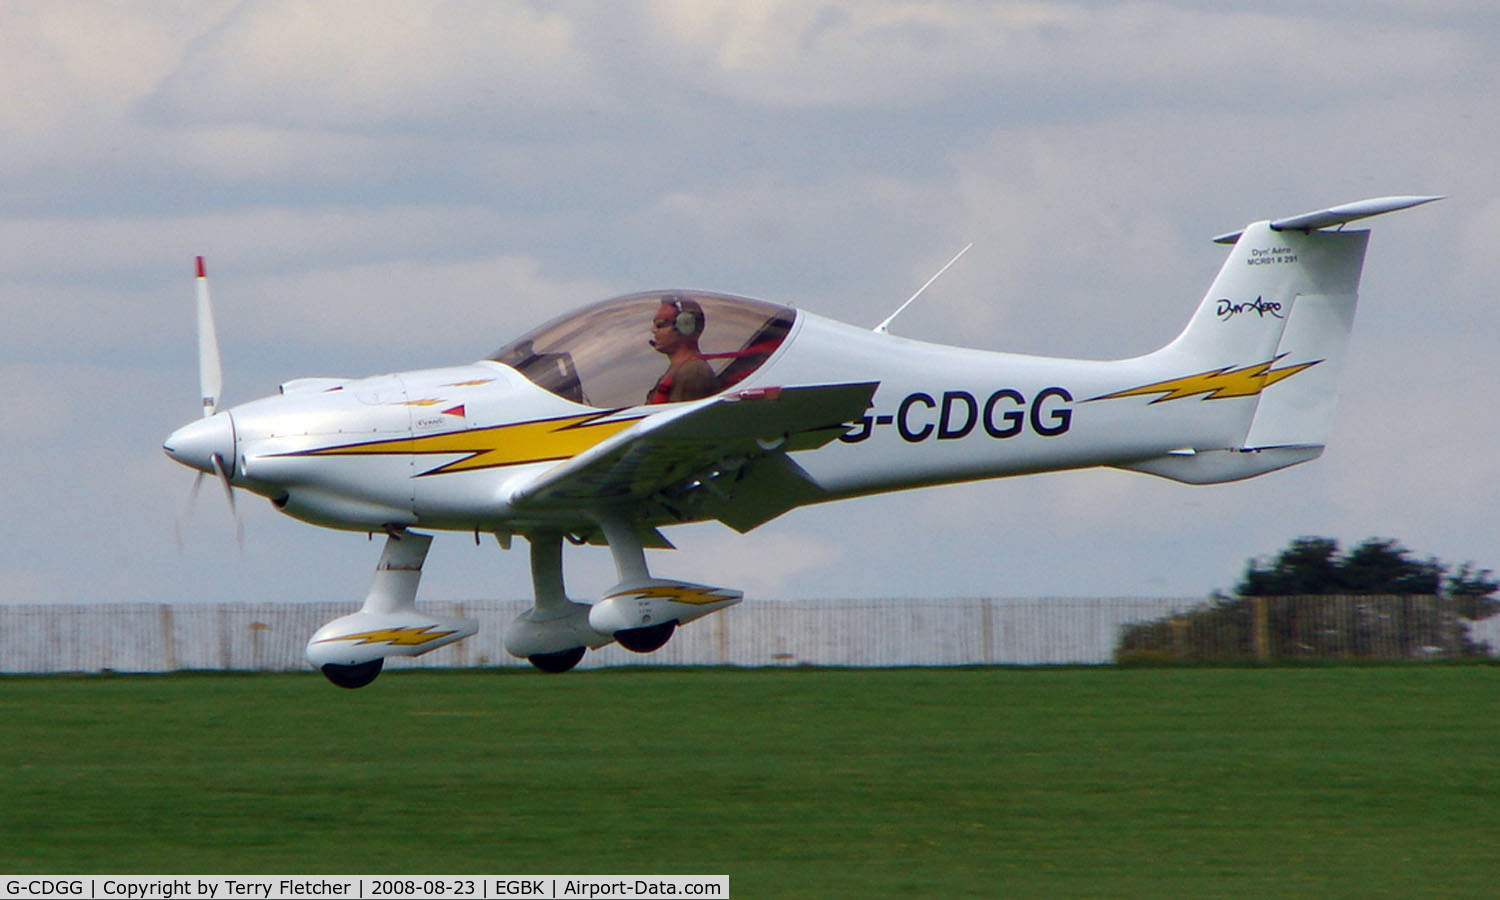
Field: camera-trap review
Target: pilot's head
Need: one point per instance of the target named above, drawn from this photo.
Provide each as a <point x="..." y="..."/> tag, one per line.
<point x="678" y="322"/>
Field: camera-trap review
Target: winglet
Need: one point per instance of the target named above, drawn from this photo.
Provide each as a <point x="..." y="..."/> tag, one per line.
<point x="1336" y="215"/>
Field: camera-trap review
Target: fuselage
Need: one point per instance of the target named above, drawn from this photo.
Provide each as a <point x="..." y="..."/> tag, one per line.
<point x="445" y="448"/>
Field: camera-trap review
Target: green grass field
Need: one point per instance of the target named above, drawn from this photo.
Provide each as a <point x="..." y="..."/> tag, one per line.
<point x="1345" y="782"/>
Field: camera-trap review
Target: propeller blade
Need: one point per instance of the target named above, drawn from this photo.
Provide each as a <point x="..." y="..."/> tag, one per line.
<point x="187" y="510"/>
<point x="239" y="525"/>
<point x="210" y="372"/>
<point x="188" y="443"/>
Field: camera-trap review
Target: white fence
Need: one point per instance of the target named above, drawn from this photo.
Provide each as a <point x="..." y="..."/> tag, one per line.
<point x="271" y="637"/>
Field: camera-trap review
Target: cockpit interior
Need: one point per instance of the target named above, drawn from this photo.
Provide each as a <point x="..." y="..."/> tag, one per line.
<point x="602" y="356"/>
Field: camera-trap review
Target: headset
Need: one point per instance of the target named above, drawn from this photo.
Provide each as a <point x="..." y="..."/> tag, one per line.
<point x="689" y="318"/>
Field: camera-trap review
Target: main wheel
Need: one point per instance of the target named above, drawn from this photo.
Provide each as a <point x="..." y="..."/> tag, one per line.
<point x="356" y="676"/>
<point x="644" y="640"/>
<point x="561" y="661"/>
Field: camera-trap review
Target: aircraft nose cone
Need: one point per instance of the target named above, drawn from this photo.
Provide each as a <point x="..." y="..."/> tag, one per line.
<point x="195" y="444"/>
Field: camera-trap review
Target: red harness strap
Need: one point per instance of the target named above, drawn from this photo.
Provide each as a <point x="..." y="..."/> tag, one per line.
<point x="662" y="393"/>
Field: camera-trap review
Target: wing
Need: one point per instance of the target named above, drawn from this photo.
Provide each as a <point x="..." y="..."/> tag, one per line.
<point x="723" y="458"/>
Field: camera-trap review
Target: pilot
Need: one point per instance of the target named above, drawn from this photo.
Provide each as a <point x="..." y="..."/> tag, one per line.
<point x="674" y="332"/>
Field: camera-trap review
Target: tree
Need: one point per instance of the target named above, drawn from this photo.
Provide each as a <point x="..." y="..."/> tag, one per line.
<point x="1312" y="565"/>
<point x="1308" y="566"/>
<point x="1310" y="600"/>
<point x="1472" y="592"/>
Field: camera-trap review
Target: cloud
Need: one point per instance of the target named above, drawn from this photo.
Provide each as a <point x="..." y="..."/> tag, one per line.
<point x="76" y="67"/>
<point x="485" y="67"/>
<point x="91" y="488"/>
<point x="898" y="55"/>
<point x="407" y="312"/>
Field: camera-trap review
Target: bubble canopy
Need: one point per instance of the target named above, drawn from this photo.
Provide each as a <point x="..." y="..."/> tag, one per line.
<point x="601" y="355"/>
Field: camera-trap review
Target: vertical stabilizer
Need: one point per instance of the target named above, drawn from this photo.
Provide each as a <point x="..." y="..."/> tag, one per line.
<point x="1273" y="327"/>
<point x="1241" y="319"/>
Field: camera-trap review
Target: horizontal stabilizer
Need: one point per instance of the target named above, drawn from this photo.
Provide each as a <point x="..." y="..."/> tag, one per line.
<point x="1335" y="215"/>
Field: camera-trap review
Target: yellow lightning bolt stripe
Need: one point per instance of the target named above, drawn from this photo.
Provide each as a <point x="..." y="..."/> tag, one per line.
<point x="676" y="593"/>
<point x="1218" y="384"/>
<point x="498" y="445"/>
<point x="410" y="636"/>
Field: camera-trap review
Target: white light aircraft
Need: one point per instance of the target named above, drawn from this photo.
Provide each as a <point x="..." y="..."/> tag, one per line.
<point x="740" y="410"/>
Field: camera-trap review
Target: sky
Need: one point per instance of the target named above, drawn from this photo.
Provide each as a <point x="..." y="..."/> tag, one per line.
<point x="389" y="186"/>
